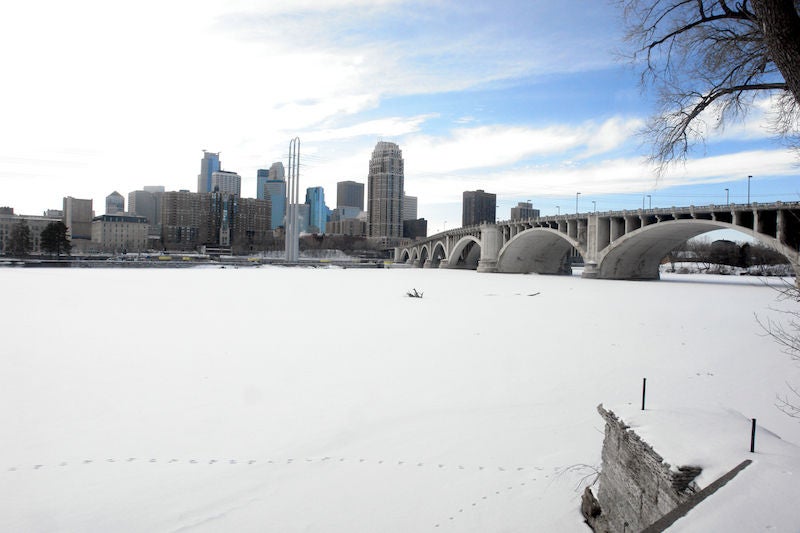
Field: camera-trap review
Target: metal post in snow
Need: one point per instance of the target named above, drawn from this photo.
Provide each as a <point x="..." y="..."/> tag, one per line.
<point x="644" y="390"/>
<point x="753" y="437"/>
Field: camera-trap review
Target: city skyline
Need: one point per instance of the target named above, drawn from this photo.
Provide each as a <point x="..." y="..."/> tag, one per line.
<point x="481" y="101"/>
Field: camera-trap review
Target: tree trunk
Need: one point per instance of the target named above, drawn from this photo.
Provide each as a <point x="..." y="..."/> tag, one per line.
<point x="780" y="25"/>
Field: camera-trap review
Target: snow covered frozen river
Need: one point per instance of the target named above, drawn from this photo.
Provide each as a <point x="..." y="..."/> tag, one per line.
<point x="279" y="399"/>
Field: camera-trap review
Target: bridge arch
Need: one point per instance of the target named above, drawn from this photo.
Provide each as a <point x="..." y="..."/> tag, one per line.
<point x="638" y="254"/>
<point x="465" y="253"/>
<point x="437" y="255"/>
<point x="423" y="255"/>
<point x="539" y="250"/>
<point x="405" y="255"/>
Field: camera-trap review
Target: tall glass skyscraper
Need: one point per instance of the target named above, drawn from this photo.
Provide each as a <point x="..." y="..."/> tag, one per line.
<point x="317" y="210"/>
<point x="276" y="190"/>
<point x="208" y="165"/>
<point x="385" y="191"/>
<point x="261" y="180"/>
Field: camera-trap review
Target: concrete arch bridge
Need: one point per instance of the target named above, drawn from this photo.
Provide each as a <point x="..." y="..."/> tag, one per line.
<point x="613" y="244"/>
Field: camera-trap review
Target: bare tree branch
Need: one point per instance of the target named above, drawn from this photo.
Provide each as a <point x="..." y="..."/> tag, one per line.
<point x="704" y="55"/>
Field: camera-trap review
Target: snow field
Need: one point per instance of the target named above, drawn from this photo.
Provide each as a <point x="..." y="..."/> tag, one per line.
<point x="275" y="399"/>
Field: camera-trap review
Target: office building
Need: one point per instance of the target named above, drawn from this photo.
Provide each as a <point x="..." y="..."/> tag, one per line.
<point x="303" y="215"/>
<point x="115" y="203"/>
<point x="409" y="207"/>
<point x="154" y="188"/>
<point x="78" y="215"/>
<point x="356" y="227"/>
<point x="350" y="194"/>
<point x="415" y="229"/>
<point x="35" y="224"/>
<point x="208" y="165"/>
<point x="276" y="194"/>
<point x="385" y="191"/>
<point x="262" y="175"/>
<point x="317" y="210"/>
<point x="277" y="171"/>
<point x="524" y="211"/>
<point x="478" y="207"/>
<point x="146" y="204"/>
<point x="119" y="233"/>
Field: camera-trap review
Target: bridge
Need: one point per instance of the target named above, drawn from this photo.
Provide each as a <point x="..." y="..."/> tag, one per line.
<point x="614" y="244"/>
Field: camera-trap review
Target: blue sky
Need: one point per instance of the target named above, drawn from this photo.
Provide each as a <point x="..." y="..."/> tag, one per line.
<point x="524" y="99"/>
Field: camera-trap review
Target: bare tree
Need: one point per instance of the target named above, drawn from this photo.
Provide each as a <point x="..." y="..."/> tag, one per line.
<point x="714" y="56"/>
<point x="786" y="333"/>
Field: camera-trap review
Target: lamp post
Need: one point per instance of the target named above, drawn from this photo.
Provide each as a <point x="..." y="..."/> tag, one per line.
<point x="649" y="202"/>
<point x="643" y="197"/>
<point x="558" y="209"/>
<point x="594" y="206"/>
<point x="577" y="195"/>
<point x="727" y="196"/>
<point x="748" y="189"/>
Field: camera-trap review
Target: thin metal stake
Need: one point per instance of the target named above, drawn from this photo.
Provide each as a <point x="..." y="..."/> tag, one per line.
<point x="753" y="437"/>
<point x="644" y="389"/>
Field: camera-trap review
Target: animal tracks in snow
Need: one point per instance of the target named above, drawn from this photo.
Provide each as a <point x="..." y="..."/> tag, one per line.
<point x="399" y="463"/>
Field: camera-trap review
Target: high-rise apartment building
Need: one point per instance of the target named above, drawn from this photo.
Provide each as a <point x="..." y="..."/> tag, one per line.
<point x="524" y="211"/>
<point x="184" y="220"/>
<point x="78" y="216"/>
<point x="115" y="203"/>
<point x="191" y="220"/>
<point x="226" y="182"/>
<point x="350" y="194"/>
<point x="317" y="210"/>
<point x="478" y="207"/>
<point x="251" y="221"/>
<point x="208" y="165"/>
<point x="385" y="191"/>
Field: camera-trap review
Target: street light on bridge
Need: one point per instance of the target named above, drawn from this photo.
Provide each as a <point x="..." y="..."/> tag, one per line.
<point x="649" y="202"/>
<point x="558" y="209"/>
<point x="594" y="206"/>
<point x="727" y="196"/>
<point x="748" y="189"/>
<point x="577" y="195"/>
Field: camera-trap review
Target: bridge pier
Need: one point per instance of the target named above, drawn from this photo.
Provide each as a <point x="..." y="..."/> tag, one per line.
<point x="590" y="270"/>
<point x="491" y="241"/>
<point x="444" y="263"/>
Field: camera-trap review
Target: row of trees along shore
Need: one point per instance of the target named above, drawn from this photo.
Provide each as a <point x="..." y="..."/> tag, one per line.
<point x="53" y="240"/>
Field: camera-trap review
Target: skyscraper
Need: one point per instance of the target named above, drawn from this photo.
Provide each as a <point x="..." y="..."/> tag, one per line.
<point x="262" y="175"/>
<point x="409" y="207"/>
<point x="385" y="181"/>
<point x="277" y="171"/>
<point x="350" y="194"/>
<point x="115" y="203"/>
<point x="208" y="165"/>
<point x="478" y="207"/>
<point x="317" y="210"/>
<point x="147" y="204"/>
